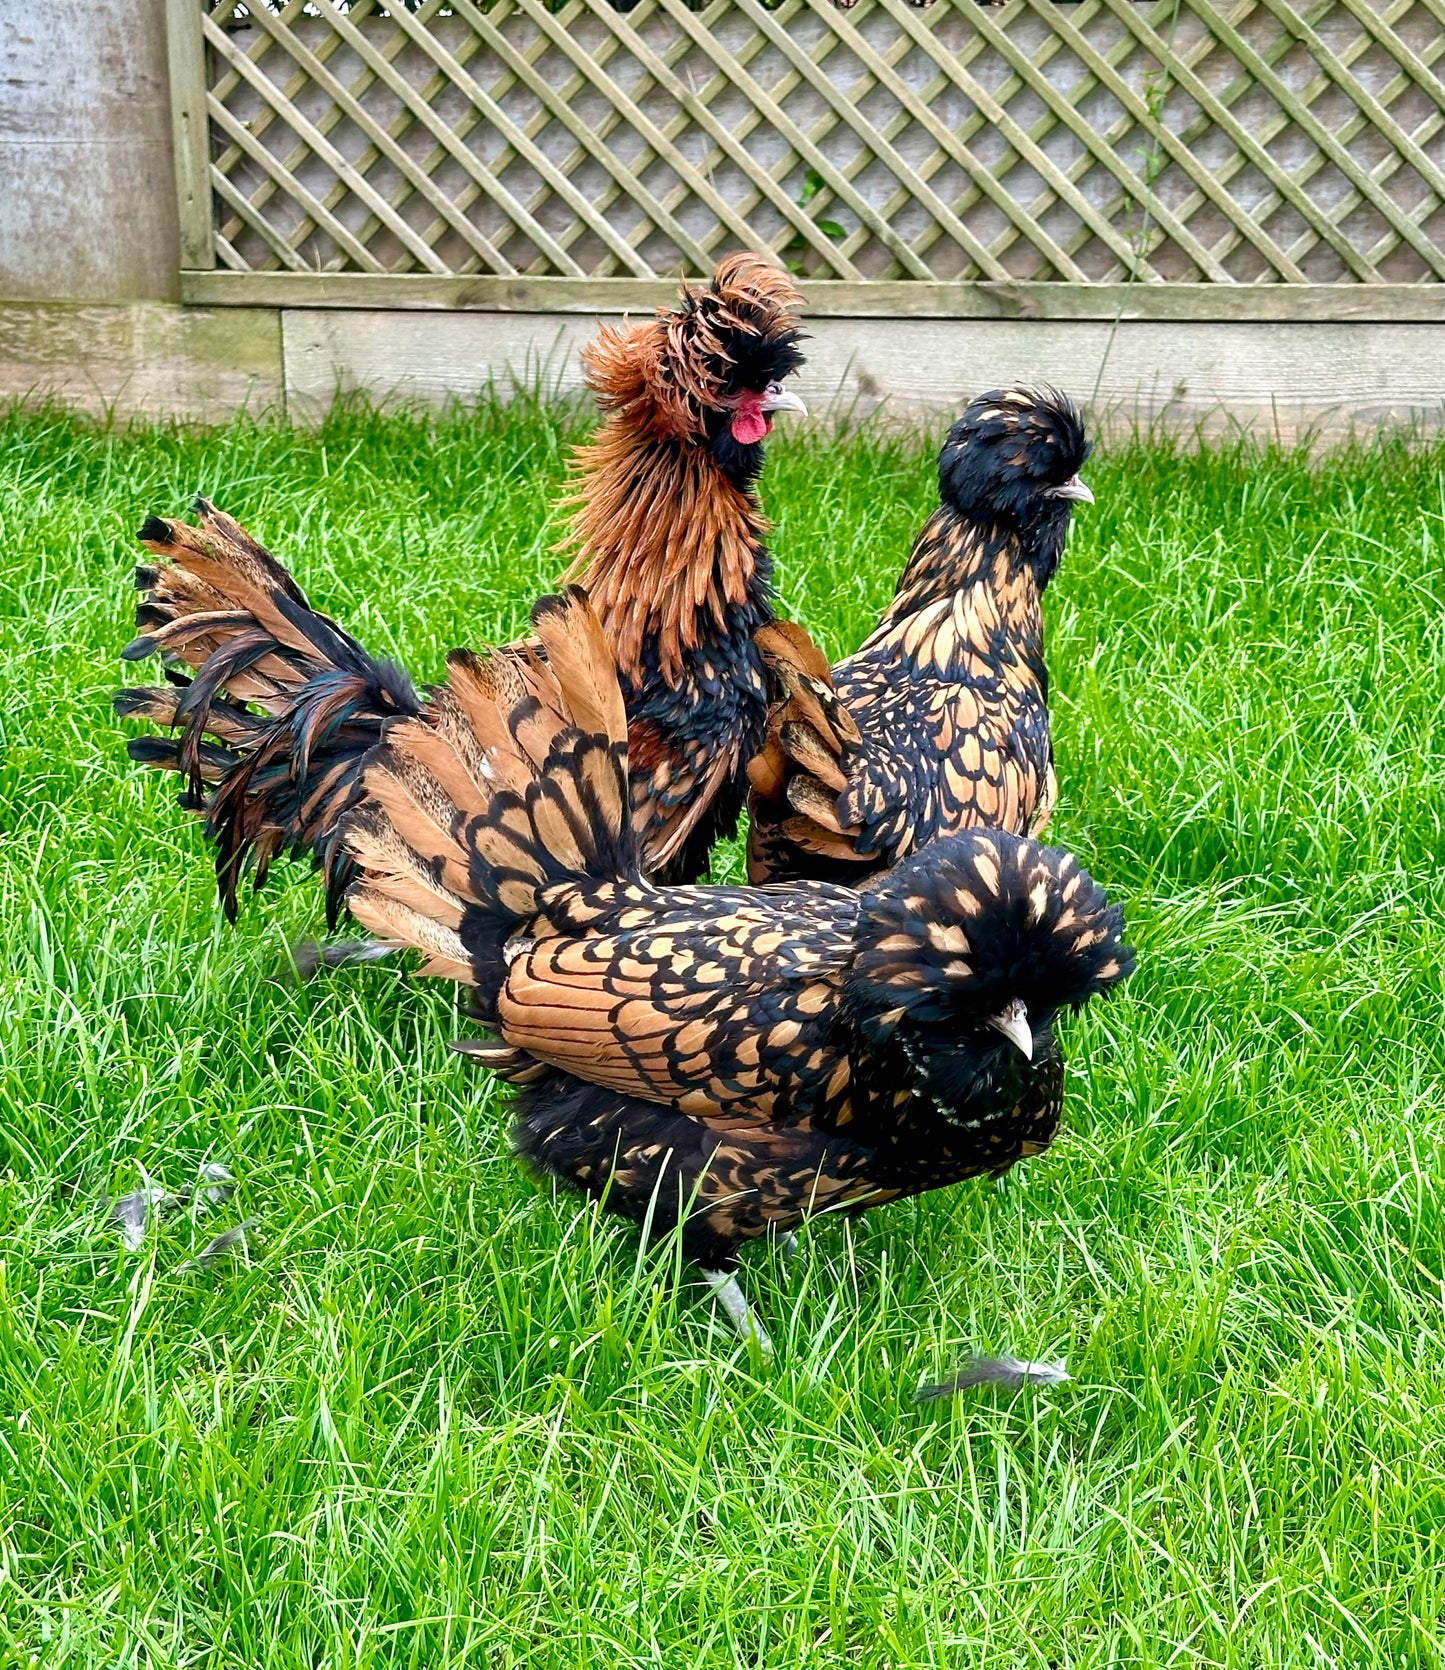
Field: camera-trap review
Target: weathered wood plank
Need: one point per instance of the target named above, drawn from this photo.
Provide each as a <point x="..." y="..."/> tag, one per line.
<point x="186" y="57"/>
<point x="1290" y="379"/>
<point x="147" y="358"/>
<point x="1402" y="303"/>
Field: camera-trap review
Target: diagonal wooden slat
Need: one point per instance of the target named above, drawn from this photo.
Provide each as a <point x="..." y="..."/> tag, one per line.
<point x="405" y="122"/>
<point x="1193" y="132"/>
<point x="915" y="109"/>
<point x="1266" y="133"/>
<point x="382" y="142"/>
<point x="672" y="131"/>
<point x="989" y="183"/>
<point x="680" y="126"/>
<point x="1038" y="132"/>
<point x="1388" y="166"/>
<point x="1146" y="140"/>
<point x="624" y="183"/>
<point x="780" y="92"/>
<point x="422" y="96"/>
<point x="1028" y="152"/>
<point x="323" y="149"/>
<point x="1367" y="104"/>
<point x="458" y="76"/>
<point x="1168" y="144"/>
<point x="845" y="108"/>
<point x="464" y="125"/>
<point x="1119" y="204"/>
<point x="1270" y="130"/>
<point x="1242" y="137"/>
<point x="368" y="157"/>
<point x="262" y="123"/>
<point x="291" y="185"/>
<point x="621" y="26"/>
<point x="284" y="248"/>
<point x="589" y="143"/>
<point x="1379" y="26"/>
<point x="1163" y="17"/>
<point x="1064" y="188"/>
<point x="295" y="85"/>
<point x="624" y="176"/>
<point x="1310" y="124"/>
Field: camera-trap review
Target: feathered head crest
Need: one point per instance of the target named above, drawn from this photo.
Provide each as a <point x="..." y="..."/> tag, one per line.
<point x="977" y="920"/>
<point x="740" y="333"/>
<point x="1008" y="444"/>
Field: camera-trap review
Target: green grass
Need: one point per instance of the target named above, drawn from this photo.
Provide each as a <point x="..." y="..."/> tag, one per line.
<point x="441" y="1416"/>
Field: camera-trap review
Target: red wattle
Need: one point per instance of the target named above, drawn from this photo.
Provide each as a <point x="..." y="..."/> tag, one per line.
<point x="749" y="425"/>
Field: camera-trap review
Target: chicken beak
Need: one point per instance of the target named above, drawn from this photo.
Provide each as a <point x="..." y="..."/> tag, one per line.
<point x="1014" y="1024"/>
<point x="1073" y="488"/>
<point x="778" y="399"/>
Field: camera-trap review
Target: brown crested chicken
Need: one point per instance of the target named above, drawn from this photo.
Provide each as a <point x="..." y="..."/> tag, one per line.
<point x="940" y="721"/>
<point x="726" y="1060"/>
<point x="276" y="706"/>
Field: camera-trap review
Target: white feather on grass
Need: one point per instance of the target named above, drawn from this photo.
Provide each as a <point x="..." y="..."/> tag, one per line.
<point x="1013" y="1372"/>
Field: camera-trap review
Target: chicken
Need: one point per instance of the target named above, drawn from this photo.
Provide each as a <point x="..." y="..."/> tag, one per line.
<point x="940" y="721"/>
<point x="726" y="1059"/>
<point x="281" y="705"/>
<point x="670" y="545"/>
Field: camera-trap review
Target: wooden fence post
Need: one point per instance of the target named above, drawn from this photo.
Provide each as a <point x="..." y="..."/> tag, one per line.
<point x="189" y="126"/>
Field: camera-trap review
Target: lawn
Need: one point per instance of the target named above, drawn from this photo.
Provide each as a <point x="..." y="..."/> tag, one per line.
<point x="438" y="1415"/>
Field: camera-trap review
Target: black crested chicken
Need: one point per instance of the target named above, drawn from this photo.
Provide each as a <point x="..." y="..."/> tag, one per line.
<point x="727" y="1058"/>
<point x="940" y="722"/>
<point x="277" y="706"/>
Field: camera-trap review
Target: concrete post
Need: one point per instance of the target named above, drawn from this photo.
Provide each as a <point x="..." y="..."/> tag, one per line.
<point x="87" y="185"/>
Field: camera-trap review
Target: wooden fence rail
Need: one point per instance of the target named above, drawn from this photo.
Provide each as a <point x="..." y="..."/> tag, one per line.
<point x="481" y="152"/>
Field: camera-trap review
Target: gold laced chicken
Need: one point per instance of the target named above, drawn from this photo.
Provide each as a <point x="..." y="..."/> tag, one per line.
<point x="727" y="1060"/>
<point x="940" y="722"/>
<point x="272" y="707"/>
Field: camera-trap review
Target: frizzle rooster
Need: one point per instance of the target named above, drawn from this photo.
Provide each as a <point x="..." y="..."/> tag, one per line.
<point x="276" y="705"/>
<point x="730" y="1059"/>
<point x="940" y="722"/>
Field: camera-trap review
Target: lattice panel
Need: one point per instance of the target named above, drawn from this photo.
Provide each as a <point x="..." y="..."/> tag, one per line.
<point x="1165" y="141"/>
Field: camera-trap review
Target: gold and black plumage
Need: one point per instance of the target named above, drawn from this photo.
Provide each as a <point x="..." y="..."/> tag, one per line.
<point x="276" y="705"/>
<point x="730" y="1059"/>
<point x="940" y="721"/>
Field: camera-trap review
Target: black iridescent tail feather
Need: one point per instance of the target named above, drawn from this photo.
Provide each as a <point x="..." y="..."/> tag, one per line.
<point x="275" y="705"/>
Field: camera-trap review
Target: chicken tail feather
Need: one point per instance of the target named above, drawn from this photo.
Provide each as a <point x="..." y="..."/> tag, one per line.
<point x="272" y="706"/>
<point x="801" y="777"/>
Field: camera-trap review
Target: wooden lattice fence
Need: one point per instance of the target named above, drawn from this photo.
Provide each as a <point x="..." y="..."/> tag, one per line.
<point x="475" y="150"/>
